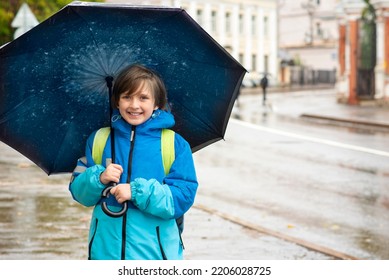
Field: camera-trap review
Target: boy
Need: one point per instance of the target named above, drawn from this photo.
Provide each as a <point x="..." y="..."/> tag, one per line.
<point x="148" y="229"/>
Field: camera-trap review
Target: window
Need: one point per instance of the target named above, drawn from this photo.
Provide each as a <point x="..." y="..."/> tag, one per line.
<point x="214" y="21"/>
<point x="241" y="24"/>
<point x="253" y="25"/>
<point x="266" y="63"/>
<point x="200" y="17"/>
<point x="228" y="23"/>
<point x="266" y="26"/>
<point x="319" y="31"/>
<point x="241" y="58"/>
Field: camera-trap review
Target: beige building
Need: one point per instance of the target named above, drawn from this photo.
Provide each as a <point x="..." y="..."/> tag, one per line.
<point x="246" y="28"/>
<point x="308" y="32"/>
<point x="308" y="36"/>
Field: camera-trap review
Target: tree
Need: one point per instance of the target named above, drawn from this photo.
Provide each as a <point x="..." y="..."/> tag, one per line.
<point x="367" y="52"/>
<point x="368" y="37"/>
<point x="42" y="9"/>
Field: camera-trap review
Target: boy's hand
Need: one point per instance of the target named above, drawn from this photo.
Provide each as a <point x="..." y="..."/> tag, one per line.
<point x="111" y="174"/>
<point x="122" y="192"/>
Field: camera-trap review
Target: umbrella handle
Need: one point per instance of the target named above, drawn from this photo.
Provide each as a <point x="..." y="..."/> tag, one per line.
<point x="106" y="210"/>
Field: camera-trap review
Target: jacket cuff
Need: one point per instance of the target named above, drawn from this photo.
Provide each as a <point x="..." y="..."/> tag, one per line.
<point x="96" y="171"/>
<point x="136" y="190"/>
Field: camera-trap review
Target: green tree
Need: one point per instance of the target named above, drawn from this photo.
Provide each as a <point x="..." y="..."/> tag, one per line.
<point x="367" y="56"/>
<point x="42" y="9"/>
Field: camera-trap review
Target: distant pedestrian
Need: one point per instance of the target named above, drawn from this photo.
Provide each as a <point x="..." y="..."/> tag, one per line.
<point x="264" y="84"/>
<point x="237" y="98"/>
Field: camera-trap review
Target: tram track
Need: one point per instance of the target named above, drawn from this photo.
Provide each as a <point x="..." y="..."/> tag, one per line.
<point x="304" y="243"/>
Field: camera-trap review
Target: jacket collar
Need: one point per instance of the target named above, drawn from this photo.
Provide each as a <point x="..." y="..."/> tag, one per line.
<point x="159" y="119"/>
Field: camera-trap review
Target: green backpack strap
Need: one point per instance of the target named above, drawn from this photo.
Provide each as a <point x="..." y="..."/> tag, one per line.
<point x="167" y="146"/>
<point x="99" y="142"/>
<point x="168" y="157"/>
<point x="167" y="149"/>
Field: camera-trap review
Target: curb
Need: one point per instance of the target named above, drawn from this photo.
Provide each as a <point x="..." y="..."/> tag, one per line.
<point x="352" y="121"/>
<point x="279" y="89"/>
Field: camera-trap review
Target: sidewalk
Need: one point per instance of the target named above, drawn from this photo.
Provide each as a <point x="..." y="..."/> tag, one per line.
<point x="324" y="107"/>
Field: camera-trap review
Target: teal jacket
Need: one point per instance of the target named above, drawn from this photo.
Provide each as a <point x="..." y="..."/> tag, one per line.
<point x="148" y="230"/>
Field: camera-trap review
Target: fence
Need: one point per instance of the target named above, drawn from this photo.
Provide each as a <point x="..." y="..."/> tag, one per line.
<point x="308" y="76"/>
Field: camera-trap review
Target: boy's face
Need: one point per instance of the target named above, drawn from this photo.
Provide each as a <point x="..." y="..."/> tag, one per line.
<point x="137" y="107"/>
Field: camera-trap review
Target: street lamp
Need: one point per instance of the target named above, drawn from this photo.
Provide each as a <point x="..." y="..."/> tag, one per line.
<point x="310" y="7"/>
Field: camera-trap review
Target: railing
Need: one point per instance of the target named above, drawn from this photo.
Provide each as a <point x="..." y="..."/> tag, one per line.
<point x="309" y="76"/>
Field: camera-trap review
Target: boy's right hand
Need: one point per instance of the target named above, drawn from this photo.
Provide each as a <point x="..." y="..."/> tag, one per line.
<point x="111" y="174"/>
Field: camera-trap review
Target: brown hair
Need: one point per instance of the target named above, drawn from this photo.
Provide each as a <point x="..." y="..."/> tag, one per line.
<point x="132" y="77"/>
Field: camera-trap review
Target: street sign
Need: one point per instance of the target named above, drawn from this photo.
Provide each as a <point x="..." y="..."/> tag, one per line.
<point x="23" y="21"/>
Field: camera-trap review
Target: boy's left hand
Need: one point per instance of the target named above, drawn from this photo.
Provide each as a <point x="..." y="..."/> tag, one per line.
<point x="122" y="192"/>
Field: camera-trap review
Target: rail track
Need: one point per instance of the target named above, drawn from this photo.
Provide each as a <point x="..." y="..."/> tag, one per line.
<point x="309" y="245"/>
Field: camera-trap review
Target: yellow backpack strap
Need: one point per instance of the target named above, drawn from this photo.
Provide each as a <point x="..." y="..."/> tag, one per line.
<point x="99" y="141"/>
<point x="167" y="147"/>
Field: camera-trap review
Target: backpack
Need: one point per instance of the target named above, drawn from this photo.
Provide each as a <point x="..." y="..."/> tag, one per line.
<point x="167" y="150"/>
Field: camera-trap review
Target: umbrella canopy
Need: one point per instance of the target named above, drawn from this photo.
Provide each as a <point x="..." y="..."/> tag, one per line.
<point x="53" y="91"/>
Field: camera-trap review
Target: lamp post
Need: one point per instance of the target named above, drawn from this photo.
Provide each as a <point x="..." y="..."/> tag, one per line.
<point x="310" y="7"/>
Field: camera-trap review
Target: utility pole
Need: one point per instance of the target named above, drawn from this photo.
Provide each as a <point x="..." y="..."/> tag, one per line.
<point x="310" y="7"/>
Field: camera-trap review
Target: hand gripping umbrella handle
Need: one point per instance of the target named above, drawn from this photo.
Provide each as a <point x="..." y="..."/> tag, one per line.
<point x="106" y="210"/>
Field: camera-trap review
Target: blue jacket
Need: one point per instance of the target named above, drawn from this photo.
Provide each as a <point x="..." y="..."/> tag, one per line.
<point x="148" y="230"/>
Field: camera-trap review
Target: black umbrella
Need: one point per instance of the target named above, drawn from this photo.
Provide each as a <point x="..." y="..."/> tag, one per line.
<point x="53" y="89"/>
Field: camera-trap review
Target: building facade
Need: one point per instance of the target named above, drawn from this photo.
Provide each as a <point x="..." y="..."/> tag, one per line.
<point x="308" y="41"/>
<point x="308" y="31"/>
<point x="247" y="29"/>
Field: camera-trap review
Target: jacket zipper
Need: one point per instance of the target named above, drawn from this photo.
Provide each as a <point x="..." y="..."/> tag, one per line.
<point x="160" y="245"/>
<point x="124" y="228"/>
<point x="123" y="256"/>
<point x="132" y="143"/>
<point x="91" y="241"/>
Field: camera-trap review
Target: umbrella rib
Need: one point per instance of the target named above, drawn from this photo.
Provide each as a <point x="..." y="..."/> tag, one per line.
<point x="93" y="38"/>
<point x="59" y="156"/>
<point x="5" y="117"/>
<point x="211" y="127"/>
<point x="101" y="64"/>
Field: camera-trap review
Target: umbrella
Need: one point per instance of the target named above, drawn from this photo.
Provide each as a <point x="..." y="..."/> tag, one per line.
<point x="53" y="89"/>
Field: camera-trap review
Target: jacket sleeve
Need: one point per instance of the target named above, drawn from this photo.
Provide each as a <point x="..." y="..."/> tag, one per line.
<point x="85" y="185"/>
<point x="173" y="198"/>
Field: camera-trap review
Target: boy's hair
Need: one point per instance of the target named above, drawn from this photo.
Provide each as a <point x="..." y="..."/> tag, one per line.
<point x="132" y="77"/>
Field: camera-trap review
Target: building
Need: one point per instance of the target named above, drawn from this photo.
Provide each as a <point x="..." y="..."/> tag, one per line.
<point x="308" y="37"/>
<point x="247" y="29"/>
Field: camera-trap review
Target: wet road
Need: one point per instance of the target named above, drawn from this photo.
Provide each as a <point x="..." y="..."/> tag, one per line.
<point x="37" y="218"/>
<point x="319" y="182"/>
<point x="280" y="174"/>
<point x="328" y="195"/>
